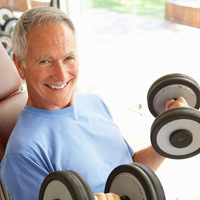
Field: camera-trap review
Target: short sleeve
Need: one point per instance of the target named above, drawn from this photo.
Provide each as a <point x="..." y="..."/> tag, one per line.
<point x="130" y="149"/>
<point x="17" y="170"/>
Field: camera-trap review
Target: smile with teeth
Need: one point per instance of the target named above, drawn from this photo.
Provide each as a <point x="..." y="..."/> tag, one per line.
<point x="57" y="87"/>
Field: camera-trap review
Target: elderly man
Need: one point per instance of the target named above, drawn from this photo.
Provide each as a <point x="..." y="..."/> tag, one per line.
<point x="57" y="129"/>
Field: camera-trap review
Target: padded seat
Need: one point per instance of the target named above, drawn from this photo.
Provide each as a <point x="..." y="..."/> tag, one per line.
<point x="12" y="98"/>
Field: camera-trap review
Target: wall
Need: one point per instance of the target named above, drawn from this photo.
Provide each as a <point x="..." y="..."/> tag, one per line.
<point x="21" y="5"/>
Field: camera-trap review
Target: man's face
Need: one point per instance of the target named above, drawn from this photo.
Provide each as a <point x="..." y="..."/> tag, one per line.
<point x="51" y="66"/>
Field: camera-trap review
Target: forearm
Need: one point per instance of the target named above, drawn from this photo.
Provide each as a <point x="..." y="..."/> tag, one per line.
<point x="148" y="157"/>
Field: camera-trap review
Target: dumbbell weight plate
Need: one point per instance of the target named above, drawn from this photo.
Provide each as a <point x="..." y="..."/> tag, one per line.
<point x="175" y="133"/>
<point x="6" y="42"/>
<point x="64" y="185"/>
<point x="154" y="179"/>
<point x="172" y="86"/>
<point x="5" y="14"/>
<point x="9" y="25"/>
<point x="132" y="182"/>
<point x="90" y="195"/>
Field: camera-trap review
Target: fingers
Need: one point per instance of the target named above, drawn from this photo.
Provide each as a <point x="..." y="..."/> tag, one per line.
<point x="169" y="103"/>
<point x="180" y="102"/>
<point x="108" y="196"/>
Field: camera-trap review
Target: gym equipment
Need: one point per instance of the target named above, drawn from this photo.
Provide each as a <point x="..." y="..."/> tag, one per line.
<point x="135" y="182"/>
<point x="131" y="182"/>
<point x="12" y="101"/>
<point x="4" y="195"/>
<point x="5" y="14"/>
<point x="6" y="41"/>
<point x="174" y="133"/>
<point x="9" y="25"/>
<point x="172" y="86"/>
<point x="55" y="3"/>
<point x="64" y="185"/>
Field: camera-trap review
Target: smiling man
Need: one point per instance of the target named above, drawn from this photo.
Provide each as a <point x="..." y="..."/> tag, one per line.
<point x="51" y="66"/>
<point x="57" y="129"/>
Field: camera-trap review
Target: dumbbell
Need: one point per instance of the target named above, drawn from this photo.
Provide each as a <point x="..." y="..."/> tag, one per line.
<point x="5" y="34"/>
<point x="131" y="182"/>
<point x="7" y="23"/>
<point x="6" y="41"/>
<point x="5" y="15"/>
<point x="175" y="133"/>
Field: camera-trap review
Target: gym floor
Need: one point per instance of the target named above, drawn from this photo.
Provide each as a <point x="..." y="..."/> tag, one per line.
<point x="121" y="56"/>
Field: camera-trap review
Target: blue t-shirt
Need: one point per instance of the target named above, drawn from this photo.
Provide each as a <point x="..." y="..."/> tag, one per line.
<point x="82" y="138"/>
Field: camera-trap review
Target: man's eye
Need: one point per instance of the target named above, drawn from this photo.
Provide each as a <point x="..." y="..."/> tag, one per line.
<point x="69" y="58"/>
<point x="44" y="61"/>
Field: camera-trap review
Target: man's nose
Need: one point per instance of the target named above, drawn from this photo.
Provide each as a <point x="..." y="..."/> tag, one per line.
<point x="61" y="72"/>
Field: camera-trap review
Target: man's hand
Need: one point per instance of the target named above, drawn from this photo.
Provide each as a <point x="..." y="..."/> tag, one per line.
<point x="108" y="196"/>
<point x="180" y="102"/>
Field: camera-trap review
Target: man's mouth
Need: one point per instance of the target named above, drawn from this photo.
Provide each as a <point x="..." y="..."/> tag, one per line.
<point x="56" y="87"/>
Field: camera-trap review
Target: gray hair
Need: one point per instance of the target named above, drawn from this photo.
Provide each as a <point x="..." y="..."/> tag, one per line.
<point x="37" y="16"/>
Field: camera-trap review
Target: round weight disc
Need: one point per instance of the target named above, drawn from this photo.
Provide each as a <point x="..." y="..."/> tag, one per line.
<point x="5" y="14"/>
<point x="175" y="133"/>
<point x="156" y="182"/>
<point x="131" y="182"/>
<point x="64" y="185"/>
<point x="9" y="25"/>
<point x="172" y="86"/>
<point x="86" y="186"/>
<point x="6" y="42"/>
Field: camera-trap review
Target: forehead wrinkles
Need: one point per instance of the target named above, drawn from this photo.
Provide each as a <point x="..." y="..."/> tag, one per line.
<point x="41" y="36"/>
<point x="55" y="36"/>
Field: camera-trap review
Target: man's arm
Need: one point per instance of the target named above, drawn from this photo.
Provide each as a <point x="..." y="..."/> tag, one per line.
<point x="149" y="157"/>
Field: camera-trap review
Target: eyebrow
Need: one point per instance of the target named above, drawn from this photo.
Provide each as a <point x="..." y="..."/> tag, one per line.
<point x="70" y="54"/>
<point x="44" y="57"/>
<point x="51" y="57"/>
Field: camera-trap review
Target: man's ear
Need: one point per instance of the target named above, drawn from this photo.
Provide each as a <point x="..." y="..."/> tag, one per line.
<point x="19" y="66"/>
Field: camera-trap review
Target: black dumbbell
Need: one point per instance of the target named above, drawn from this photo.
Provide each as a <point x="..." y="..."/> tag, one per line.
<point x="135" y="181"/>
<point x="9" y="25"/>
<point x="5" y="15"/>
<point x="64" y="185"/>
<point x="6" y="41"/>
<point x="131" y="182"/>
<point x="175" y="133"/>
